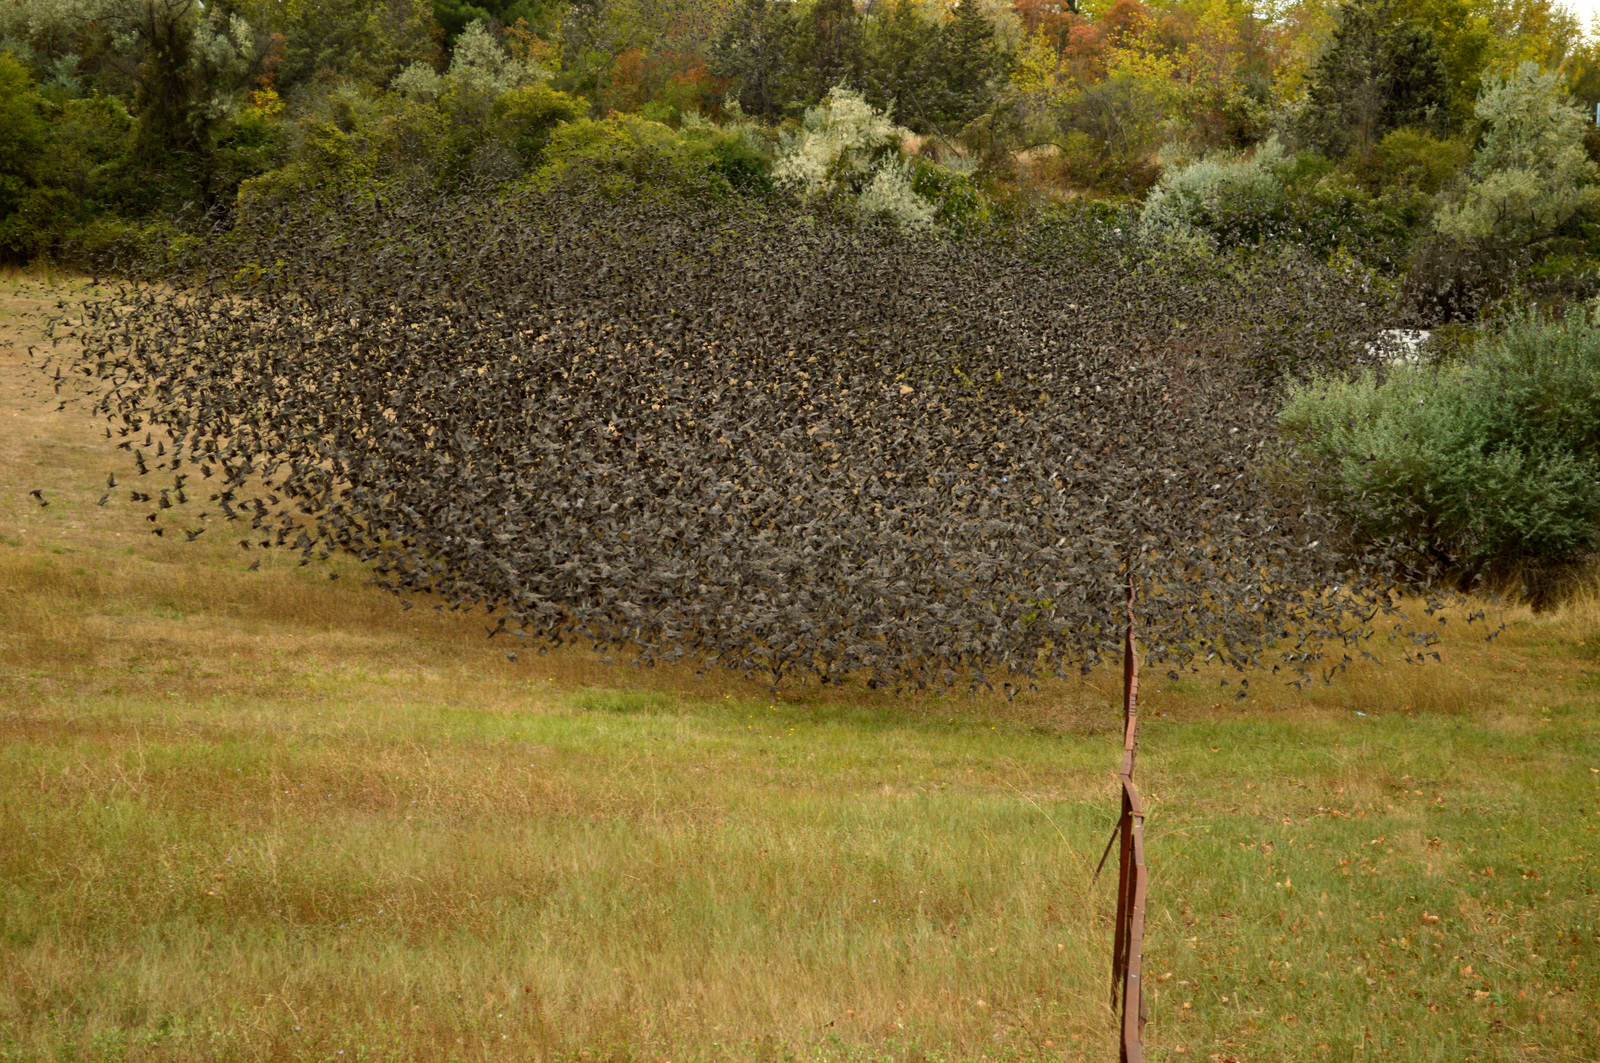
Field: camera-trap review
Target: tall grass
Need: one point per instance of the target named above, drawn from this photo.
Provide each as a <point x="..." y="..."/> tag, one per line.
<point x="269" y="816"/>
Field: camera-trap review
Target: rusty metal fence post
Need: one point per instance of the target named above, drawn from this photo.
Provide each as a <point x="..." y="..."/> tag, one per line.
<point x="1127" y="951"/>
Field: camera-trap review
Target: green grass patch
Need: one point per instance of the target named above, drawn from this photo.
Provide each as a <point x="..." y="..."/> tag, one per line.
<point x="269" y="816"/>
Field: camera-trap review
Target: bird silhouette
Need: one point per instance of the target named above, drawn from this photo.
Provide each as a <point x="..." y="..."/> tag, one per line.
<point x="822" y="447"/>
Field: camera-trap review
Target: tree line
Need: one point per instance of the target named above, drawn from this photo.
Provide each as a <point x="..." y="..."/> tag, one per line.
<point x="148" y="117"/>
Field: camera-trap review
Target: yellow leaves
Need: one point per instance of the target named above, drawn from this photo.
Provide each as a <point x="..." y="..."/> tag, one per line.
<point x="1139" y="61"/>
<point x="1036" y="70"/>
<point x="265" y="103"/>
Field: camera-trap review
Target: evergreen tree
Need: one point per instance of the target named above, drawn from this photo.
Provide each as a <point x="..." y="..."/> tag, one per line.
<point x="901" y="65"/>
<point x="754" y="50"/>
<point x="968" y="61"/>
<point x="1379" y="72"/>
<point x="827" y="49"/>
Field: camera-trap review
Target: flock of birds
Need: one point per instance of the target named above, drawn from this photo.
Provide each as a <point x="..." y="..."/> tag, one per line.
<point x="777" y="442"/>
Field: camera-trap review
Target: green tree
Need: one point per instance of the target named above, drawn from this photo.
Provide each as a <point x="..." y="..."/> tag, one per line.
<point x="1530" y="175"/>
<point x="969" y="63"/>
<point x="23" y="129"/>
<point x="1463" y="33"/>
<point x="166" y="98"/>
<point x="29" y="210"/>
<point x="900" y="64"/>
<point x="754" y="51"/>
<point x="320" y="41"/>
<point x="827" y="48"/>
<point x="1379" y="72"/>
<point x="454" y="16"/>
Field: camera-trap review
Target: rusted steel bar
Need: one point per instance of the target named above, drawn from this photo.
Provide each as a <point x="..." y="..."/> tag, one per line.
<point x="1130" y="691"/>
<point x="1119" y="945"/>
<point x="1127" y="950"/>
<point x="1134" y="1014"/>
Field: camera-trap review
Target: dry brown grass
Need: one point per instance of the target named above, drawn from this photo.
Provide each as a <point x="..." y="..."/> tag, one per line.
<point x="268" y="815"/>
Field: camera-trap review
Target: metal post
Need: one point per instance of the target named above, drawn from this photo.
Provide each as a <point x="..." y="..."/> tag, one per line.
<point x="1127" y="952"/>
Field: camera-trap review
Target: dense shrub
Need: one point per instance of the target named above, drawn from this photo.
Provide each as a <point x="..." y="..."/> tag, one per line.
<point x="848" y="147"/>
<point x="29" y="209"/>
<point x="526" y="116"/>
<point x="631" y="155"/>
<point x="1530" y="175"/>
<point x="1481" y="466"/>
<point x="1267" y="196"/>
<point x="1414" y="159"/>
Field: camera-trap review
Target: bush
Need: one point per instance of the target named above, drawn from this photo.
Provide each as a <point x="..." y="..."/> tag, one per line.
<point x="1480" y="468"/>
<point x="959" y="200"/>
<point x="1087" y="163"/>
<point x="628" y="155"/>
<point x="1232" y="200"/>
<point x="736" y="155"/>
<point x="848" y="147"/>
<point x="111" y="246"/>
<point x="1233" y="197"/>
<point x="1412" y="158"/>
<point x="526" y="115"/>
<point x="1531" y="174"/>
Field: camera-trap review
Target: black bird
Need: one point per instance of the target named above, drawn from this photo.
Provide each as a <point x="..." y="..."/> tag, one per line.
<point x="103" y="499"/>
<point x="734" y="463"/>
<point x="255" y="565"/>
<point x="38" y="496"/>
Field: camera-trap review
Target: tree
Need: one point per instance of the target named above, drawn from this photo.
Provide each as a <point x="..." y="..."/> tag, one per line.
<point x="753" y="51"/>
<point x="1379" y="72"/>
<point x="1530" y="175"/>
<point x="328" y="40"/>
<point x="24" y="134"/>
<point x="969" y="62"/>
<point x="1462" y="30"/>
<point x="900" y="68"/>
<point x="827" y="48"/>
<point x="842" y="142"/>
<point x="454" y="16"/>
<point x="165" y="98"/>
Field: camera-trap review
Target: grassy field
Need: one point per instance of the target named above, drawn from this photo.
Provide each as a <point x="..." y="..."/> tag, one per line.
<point x="261" y="815"/>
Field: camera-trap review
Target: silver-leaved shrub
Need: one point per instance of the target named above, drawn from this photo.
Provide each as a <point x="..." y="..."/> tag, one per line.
<point x="1484" y="466"/>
